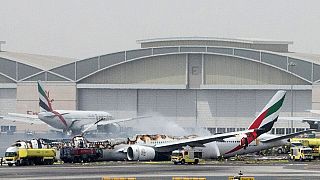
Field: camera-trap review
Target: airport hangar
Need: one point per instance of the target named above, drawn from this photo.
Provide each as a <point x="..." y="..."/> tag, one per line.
<point x="217" y="83"/>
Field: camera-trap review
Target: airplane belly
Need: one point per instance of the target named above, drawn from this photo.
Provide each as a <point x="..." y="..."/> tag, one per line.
<point x="114" y="154"/>
<point x="54" y="122"/>
<point x="226" y="147"/>
<point x="252" y="149"/>
<point x="210" y="151"/>
<point x="241" y="152"/>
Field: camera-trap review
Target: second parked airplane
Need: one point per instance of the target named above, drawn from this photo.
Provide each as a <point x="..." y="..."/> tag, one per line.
<point x="70" y="121"/>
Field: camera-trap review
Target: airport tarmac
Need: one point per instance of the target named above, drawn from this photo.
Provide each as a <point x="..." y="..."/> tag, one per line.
<point x="166" y="171"/>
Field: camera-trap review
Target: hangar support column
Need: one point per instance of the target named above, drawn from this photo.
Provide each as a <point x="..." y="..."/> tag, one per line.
<point x="316" y="96"/>
<point x="194" y="70"/>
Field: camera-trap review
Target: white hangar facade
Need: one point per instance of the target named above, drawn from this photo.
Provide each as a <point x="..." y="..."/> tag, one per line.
<point x="217" y="83"/>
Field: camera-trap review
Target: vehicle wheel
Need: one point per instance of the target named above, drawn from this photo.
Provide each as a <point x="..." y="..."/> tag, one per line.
<point x="290" y="158"/>
<point x="196" y="161"/>
<point x="10" y="164"/>
<point x="183" y="161"/>
<point x="280" y="151"/>
<point x="175" y="163"/>
<point x="18" y="163"/>
<point x="301" y="159"/>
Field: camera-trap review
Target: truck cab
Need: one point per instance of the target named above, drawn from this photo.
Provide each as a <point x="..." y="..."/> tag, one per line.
<point x="11" y="156"/>
<point x="301" y="153"/>
<point x="190" y="156"/>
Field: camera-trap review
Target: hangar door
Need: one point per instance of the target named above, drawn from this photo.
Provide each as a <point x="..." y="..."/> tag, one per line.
<point x="172" y="105"/>
<point x="238" y="108"/>
<point x="120" y="103"/>
<point x="217" y="108"/>
<point x="7" y="101"/>
<point x="7" y="104"/>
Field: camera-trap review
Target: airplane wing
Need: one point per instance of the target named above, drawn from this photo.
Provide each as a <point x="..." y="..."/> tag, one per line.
<point x="287" y="136"/>
<point x="102" y="122"/>
<point x="314" y="122"/>
<point x="106" y="122"/>
<point x="314" y="111"/>
<point x="303" y="119"/>
<point x="196" y="142"/>
<point x="26" y="118"/>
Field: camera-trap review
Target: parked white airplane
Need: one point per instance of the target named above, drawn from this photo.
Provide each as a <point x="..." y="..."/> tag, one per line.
<point x="228" y="144"/>
<point x="72" y="121"/>
<point x="313" y="121"/>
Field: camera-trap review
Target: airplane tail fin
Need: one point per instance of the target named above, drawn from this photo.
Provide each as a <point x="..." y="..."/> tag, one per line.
<point x="263" y="122"/>
<point x="44" y="101"/>
<point x="269" y="114"/>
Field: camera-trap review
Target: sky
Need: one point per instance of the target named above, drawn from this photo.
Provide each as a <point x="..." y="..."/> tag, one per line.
<point x="87" y="28"/>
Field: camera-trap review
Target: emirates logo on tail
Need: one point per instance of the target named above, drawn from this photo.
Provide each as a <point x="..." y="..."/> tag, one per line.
<point x="44" y="102"/>
<point x="263" y="122"/>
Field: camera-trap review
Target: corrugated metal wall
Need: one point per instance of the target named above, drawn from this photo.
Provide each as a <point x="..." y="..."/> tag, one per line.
<point x="171" y="69"/>
<point x="4" y="79"/>
<point x="230" y="70"/>
<point x="195" y="70"/>
<point x="179" y="105"/>
<point x="207" y="108"/>
<point x="8" y="68"/>
<point x="120" y="103"/>
<point x="157" y="70"/>
<point x="7" y="101"/>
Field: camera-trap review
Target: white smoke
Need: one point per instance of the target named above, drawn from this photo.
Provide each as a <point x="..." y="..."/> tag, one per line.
<point x="158" y="124"/>
<point x="201" y="131"/>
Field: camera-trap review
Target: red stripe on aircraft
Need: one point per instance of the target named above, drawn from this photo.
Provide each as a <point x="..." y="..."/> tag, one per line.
<point x="251" y="137"/>
<point x="49" y="103"/>
<point x="235" y="149"/>
<point x="61" y="118"/>
<point x="259" y="120"/>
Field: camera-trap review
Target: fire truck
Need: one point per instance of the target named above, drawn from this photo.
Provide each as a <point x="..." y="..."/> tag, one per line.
<point x="76" y="155"/>
<point x="189" y="156"/>
<point x="313" y="143"/>
<point x="301" y="153"/>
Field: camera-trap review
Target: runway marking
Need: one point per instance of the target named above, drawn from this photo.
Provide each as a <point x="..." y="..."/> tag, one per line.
<point x="160" y="175"/>
<point x="94" y="167"/>
<point x="156" y="171"/>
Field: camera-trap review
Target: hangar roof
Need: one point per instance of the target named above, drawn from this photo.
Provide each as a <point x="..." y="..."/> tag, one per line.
<point x="62" y="69"/>
<point x="240" y="40"/>
<point x="248" y="43"/>
<point x="39" y="61"/>
<point x="308" y="57"/>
